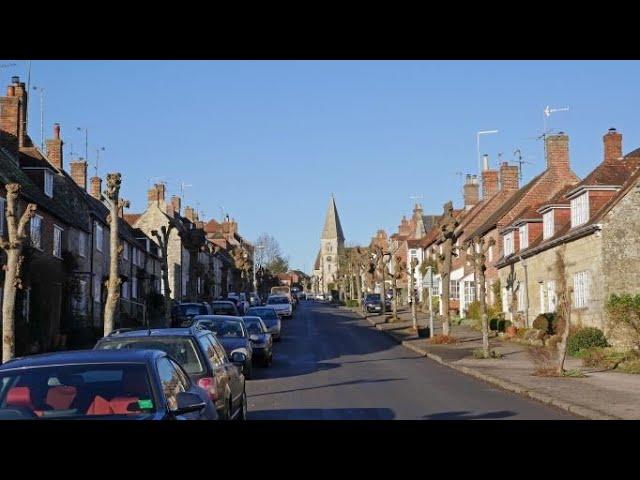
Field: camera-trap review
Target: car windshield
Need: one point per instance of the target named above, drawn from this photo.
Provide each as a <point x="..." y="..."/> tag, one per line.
<point x="277" y="300"/>
<point x="373" y="298"/>
<point x="223" y="309"/>
<point x="264" y="313"/>
<point x="76" y="391"/>
<point x="188" y="310"/>
<point x="224" y="328"/>
<point x="254" y="326"/>
<point x="182" y="349"/>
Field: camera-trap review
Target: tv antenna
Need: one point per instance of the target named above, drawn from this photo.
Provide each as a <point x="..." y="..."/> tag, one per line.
<point x="520" y="161"/>
<point x="98" y="150"/>
<point x="416" y="197"/>
<point x="182" y="187"/>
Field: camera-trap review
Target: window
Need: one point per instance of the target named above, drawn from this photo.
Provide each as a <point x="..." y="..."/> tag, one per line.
<point x="547" y="225"/>
<point x="469" y="292"/>
<point x="524" y="236"/>
<point x="454" y="290"/>
<point x="212" y="354"/>
<point x="36" y="232"/>
<point x="82" y="244"/>
<point x="99" y="239"/>
<point x="125" y="250"/>
<point x="134" y="287"/>
<point x="48" y="183"/>
<point x="580" y="289"/>
<point x="413" y="254"/>
<point x="97" y="289"/>
<point x="125" y="290"/>
<point x="551" y="296"/>
<point x="541" y="292"/>
<point x="521" y="298"/>
<point x="79" y="300"/>
<point x="580" y="209"/>
<point x="508" y="244"/>
<point x="171" y="384"/>
<point x="57" y="241"/>
<point x="491" y="253"/>
<point x="26" y="304"/>
<point x="3" y="203"/>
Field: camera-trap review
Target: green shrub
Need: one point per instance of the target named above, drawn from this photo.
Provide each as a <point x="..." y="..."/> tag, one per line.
<point x="541" y="323"/>
<point x="503" y="325"/>
<point x="493" y="324"/>
<point x="630" y="366"/>
<point x="585" y="338"/>
<point x="352" y="303"/>
<point x="478" y="353"/>
<point x="607" y="358"/>
<point x="473" y="310"/>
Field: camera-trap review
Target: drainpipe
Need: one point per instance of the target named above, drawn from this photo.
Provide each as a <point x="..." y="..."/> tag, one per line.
<point x="526" y="292"/>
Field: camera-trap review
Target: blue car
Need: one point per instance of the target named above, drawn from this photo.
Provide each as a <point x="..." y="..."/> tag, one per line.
<point x="101" y="384"/>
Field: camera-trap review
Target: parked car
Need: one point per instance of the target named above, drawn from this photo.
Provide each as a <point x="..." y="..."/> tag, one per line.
<point x="254" y="300"/>
<point x="232" y="334"/>
<point x="281" y="304"/>
<point x="240" y="302"/>
<point x="373" y="304"/>
<point x="201" y="356"/>
<point x="90" y="384"/>
<point x="224" y="307"/>
<point x="260" y="338"/>
<point x="302" y="296"/>
<point x="270" y="319"/>
<point x="183" y="313"/>
<point x="320" y="297"/>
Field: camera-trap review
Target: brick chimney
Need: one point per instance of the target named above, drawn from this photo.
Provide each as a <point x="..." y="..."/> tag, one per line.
<point x="156" y="194"/>
<point x="509" y="180"/>
<point x="471" y="191"/>
<point x="13" y="114"/>
<point x="612" y="145"/>
<point x="189" y="214"/>
<point x="176" y="203"/>
<point x="489" y="179"/>
<point x="54" y="148"/>
<point x="557" y="147"/>
<point x="96" y="188"/>
<point x="404" y="228"/>
<point x="79" y="172"/>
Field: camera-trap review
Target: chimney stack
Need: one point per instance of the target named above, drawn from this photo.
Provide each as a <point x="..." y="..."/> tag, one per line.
<point x="96" y="188"/>
<point x="79" y="172"/>
<point x="612" y="145"/>
<point x="54" y="148"/>
<point x="176" y="203"/>
<point x="13" y="110"/>
<point x="489" y="179"/>
<point x="189" y="214"/>
<point x="509" y="178"/>
<point x="156" y="194"/>
<point x="557" y="147"/>
<point x="471" y="191"/>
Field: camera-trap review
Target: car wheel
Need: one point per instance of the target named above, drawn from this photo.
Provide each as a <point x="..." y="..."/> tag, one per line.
<point x="242" y="414"/>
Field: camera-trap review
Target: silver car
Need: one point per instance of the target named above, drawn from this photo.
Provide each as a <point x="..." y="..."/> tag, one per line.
<point x="281" y="304"/>
<point x="270" y="318"/>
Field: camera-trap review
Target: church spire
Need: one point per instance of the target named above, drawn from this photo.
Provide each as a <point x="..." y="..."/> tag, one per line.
<point x="332" y="228"/>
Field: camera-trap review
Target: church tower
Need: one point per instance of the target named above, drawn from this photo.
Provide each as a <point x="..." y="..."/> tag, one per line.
<point x="331" y="245"/>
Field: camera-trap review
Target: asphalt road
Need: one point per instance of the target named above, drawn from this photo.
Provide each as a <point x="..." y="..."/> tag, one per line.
<point x="332" y="365"/>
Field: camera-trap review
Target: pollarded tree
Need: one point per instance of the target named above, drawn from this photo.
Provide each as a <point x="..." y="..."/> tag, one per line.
<point x="163" y="243"/>
<point x="448" y="238"/>
<point x="478" y="257"/>
<point x="13" y="247"/>
<point x="112" y="193"/>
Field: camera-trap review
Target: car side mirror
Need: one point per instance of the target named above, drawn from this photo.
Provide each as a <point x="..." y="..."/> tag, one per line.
<point x="238" y="358"/>
<point x="187" y="403"/>
<point x="254" y="338"/>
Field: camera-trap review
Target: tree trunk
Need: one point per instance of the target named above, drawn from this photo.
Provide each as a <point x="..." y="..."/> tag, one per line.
<point x="394" y="305"/>
<point x="446" y="322"/>
<point x="113" y="285"/>
<point x="13" y="246"/>
<point x="564" y="309"/>
<point x="483" y="311"/>
<point x="358" y="289"/>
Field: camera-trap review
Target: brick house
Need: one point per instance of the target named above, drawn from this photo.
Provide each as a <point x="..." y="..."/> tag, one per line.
<point x="597" y="223"/>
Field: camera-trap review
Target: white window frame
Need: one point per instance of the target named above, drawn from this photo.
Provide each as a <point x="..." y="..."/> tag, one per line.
<point x="521" y="298"/>
<point x="507" y="243"/>
<point x="32" y="225"/>
<point x="125" y="290"/>
<point x="491" y="253"/>
<point x="3" y="213"/>
<point x="581" y="289"/>
<point x="99" y="237"/>
<point x="454" y="290"/>
<point x="548" y="226"/>
<point x="580" y="210"/>
<point x="48" y="183"/>
<point x="552" y="299"/>
<point x="134" y="287"/>
<point x="57" y="241"/>
<point x="523" y="232"/>
<point x="469" y="292"/>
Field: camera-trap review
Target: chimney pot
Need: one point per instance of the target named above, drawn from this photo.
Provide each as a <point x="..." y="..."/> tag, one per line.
<point x="612" y="145"/>
<point x="96" y="187"/>
<point x="15" y="80"/>
<point x="56" y="131"/>
<point x="485" y="162"/>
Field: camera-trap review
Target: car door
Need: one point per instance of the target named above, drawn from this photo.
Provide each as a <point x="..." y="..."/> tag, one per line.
<point x="217" y="366"/>
<point x="236" y="379"/>
<point x="173" y="383"/>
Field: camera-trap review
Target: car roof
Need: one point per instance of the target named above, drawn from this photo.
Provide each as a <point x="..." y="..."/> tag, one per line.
<point x="224" y="301"/>
<point x="84" y="356"/>
<point x="253" y="317"/>
<point x="216" y="317"/>
<point x="154" y="332"/>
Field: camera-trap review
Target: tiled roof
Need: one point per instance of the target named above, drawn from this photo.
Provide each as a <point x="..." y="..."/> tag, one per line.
<point x="132" y="218"/>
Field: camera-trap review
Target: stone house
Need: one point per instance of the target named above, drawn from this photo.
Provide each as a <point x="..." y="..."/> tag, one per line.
<point x="596" y="223"/>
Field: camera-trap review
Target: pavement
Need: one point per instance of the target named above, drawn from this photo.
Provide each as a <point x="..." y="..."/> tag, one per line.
<point x="600" y="395"/>
<point x="331" y="364"/>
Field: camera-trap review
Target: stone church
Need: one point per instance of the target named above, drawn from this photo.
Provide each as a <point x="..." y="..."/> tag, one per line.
<point x="331" y="246"/>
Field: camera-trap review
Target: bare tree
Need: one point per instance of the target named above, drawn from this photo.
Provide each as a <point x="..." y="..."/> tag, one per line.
<point x="479" y="249"/>
<point x="163" y="243"/>
<point x="269" y="251"/>
<point x="112" y="194"/>
<point x="448" y="238"/>
<point x="13" y="247"/>
<point x="565" y="294"/>
<point x="399" y="266"/>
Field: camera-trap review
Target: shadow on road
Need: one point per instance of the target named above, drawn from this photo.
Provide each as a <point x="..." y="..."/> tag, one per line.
<point x="340" y="384"/>
<point x="465" y="415"/>
<point x="324" y="414"/>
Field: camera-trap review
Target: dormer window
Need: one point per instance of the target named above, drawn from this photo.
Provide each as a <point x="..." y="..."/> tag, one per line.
<point x="524" y="236"/>
<point x="547" y="225"/>
<point x="580" y="210"/>
<point x="508" y="244"/>
<point x="48" y="183"/>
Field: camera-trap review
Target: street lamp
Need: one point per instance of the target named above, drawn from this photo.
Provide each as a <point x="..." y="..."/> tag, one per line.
<point x="482" y="132"/>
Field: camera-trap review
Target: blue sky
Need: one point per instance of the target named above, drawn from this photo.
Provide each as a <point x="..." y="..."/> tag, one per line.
<point x="269" y="141"/>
